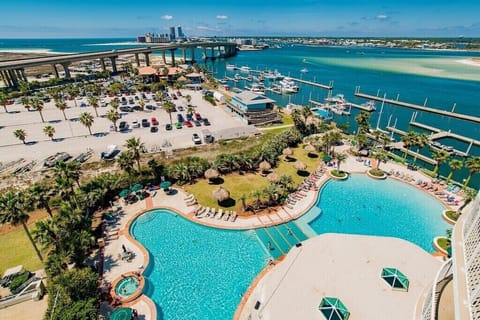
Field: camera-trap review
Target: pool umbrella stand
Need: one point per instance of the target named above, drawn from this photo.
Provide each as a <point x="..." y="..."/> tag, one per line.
<point x="136" y="187"/>
<point x="121" y="314"/>
<point x="333" y="309"/>
<point x="124" y="193"/>
<point x="221" y="194"/>
<point x="396" y="279"/>
<point x="211" y="175"/>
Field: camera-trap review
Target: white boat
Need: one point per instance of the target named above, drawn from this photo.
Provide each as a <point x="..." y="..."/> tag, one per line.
<point x="369" y="105"/>
<point x="337" y="99"/>
<point x="231" y="67"/>
<point x="304" y="70"/>
<point x="288" y="85"/>
<point x="275" y="75"/>
<point x="245" y="69"/>
<point x="257" y="88"/>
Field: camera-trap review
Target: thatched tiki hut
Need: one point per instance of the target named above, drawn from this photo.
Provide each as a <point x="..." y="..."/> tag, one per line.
<point x="221" y="194"/>
<point x="273" y="177"/>
<point x="264" y="166"/>
<point x="300" y="166"/>
<point x="211" y="174"/>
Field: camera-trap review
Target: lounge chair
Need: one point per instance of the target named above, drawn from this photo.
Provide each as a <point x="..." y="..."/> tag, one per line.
<point x="192" y="202"/>
<point x="227" y="216"/>
<point x="212" y="212"/>
<point x="220" y="214"/>
<point x="197" y="210"/>
<point x="233" y="217"/>
<point x="189" y="197"/>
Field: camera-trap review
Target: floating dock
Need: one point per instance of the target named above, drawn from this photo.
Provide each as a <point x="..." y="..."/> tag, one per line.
<point x="440" y="134"/>
<point x="417" y="107"/>
<point x="361" y="107"/>
<point x="314" y="84"/>
<point x="399" y="146"/>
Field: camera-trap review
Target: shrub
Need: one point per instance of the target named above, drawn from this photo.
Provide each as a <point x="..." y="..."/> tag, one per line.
<point x="19" y="280"/>
<point x="339" y="174"/>
<point x="376" y="172"/>
<point x="453" y="215"/>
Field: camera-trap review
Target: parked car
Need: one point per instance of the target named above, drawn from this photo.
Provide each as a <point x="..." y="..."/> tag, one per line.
<point x="180" y="108"/>
<point x="153" y="129"/>
<point x="125" y="109"/>
<point x="154" y="121"/>
<point x="145" y="123"/>
<point x="198" y="116"/>
<point x="206" y="122"/>
<point x="123" y="126"/>
<point x="168" y="127"/>
<point x="150" y="107"/>
<point x="130" y="101"/>
<point x="197" y="123"/>
<point x="188" y="124"/>
<point x="137" y="108"/>
<point x="135" y="123"/>
<point x="178" y="125"/>
<point x="83" y="105"/>
<point x="189" y="117"/>
<point x="196" y="139"/>
<point x="180" y="118"/>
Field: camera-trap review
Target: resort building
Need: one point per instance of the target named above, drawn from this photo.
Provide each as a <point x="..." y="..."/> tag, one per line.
<point x="455" y="293"/>
<point x="253" y="108"/>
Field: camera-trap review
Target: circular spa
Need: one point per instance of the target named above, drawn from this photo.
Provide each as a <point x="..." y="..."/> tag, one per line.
<point x="128" y="287"/>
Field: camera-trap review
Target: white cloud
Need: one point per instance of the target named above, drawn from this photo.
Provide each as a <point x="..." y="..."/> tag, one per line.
<point x="207" y="28"/>
<point x="167" y="17"/>
<point x="382" y="17"/>
<point x="222" y="17"/>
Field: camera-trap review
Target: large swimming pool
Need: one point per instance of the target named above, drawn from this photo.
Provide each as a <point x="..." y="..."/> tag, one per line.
<point x="196" y="272"/>
<point x="362" y="205"/>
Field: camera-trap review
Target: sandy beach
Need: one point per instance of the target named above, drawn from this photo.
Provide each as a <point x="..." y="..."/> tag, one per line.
<point x="470" y="61"/>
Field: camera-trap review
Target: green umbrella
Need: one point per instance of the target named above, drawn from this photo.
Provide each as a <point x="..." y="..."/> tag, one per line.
<point x="136" y="187"/>
<point x="333" y="309"/>
<point x="124" y="193"/>
<point x="395" y="279"/>
<point x="165" y="184"/>
<point x="121" y="314"/>
<point x="326" y="157"/>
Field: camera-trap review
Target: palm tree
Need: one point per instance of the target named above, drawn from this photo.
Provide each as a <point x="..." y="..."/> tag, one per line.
<point x="363" y="121"/>
<point x="421" y="140"/>
<point x="93" y="101"/>
<point x="454" y="165"/>
<point x="4" y="100"/>
<point x="26" y="102"/>
<point x="141" y="103"/>
<point x="135" y="146"/>
<point x="68" y="170"/>
<point x="87" y="120"/>
<point x="180" y="171"/>
<point x="340" y="158"/>
<point x="381" y="156"/>
<point x="409" y="141"/>
<point x="37" y="105"/>
<point x="73" y="92"/>
<point x="13" y="211"/>
<point x="473" y="166"/>
<point x="188" y="98"/>
<point x="49" y="131"/>
<point x="169" y="107"/>
<point x="190" y="109"/>
<point x="20" y="134"/>
<point x="440" y="156"/>
<point x="61" y="105"/>
<point x="47" y="234"/>
<point x="115" y="103"/>
<point x="113" y="116"/>
<point x="41" y="194"/>
<point x="257" y="194"/>
<point x="125" y="162"/>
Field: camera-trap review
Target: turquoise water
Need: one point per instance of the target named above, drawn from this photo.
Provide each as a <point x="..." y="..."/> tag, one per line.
<point x="196" y="272"/>
<point x="278" y="240"/>
<point x="362" y="205"/>
<point x="126" y="286"/>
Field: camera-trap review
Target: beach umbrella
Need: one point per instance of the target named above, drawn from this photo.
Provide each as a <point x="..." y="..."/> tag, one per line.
<point x="264" y="166"/>
<point x="326" y="157"/>
<point x="396" y="279"/>
<point x="221" y="194"/>
<point x="211" y="174"/>
<point x="309" y="148"/>
<point x="124" y="313"/>
<point x="273" y="177"/>
<point x="299" y="165"/>
<point x="124" y="193"/>
<point x="165" y="184"/>
<point x="136" y="187"/>
<point x="287" y="152"/>
<point x="333" y="309"/>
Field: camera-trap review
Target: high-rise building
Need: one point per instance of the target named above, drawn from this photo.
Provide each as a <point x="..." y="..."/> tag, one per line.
<point x="180" y="32"/>
<point x="455" y="292"/>
<point x="172" y="33"/>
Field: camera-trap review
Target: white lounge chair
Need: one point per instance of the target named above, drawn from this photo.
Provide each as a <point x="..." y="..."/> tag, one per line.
<point x="220" y="214"/>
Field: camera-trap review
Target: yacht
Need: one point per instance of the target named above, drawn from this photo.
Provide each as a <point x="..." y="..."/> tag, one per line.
<point x="337" y="99"/>
<point x="275" y="75"/>
<point x="304" y="70"/>
<point x="288" y="85"/>
<point x="245" y="69"/>
<point x="369" y="105"/>
<point x="257" y="88"/>
<point x="231" y="67"/>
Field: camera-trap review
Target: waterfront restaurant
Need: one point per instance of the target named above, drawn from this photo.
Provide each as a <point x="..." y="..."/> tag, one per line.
<point x="253" y="108"/>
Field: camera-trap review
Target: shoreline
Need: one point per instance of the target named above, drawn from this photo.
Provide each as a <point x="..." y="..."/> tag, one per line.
<point x="470" y="61"/>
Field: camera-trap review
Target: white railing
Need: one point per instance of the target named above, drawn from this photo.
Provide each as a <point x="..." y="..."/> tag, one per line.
<point x="442" y="278"/>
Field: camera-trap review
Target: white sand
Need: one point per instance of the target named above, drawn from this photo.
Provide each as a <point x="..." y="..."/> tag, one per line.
<point x="470" y="62"/>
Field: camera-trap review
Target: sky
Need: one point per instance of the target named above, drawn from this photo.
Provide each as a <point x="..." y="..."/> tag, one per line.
<point x="337" y="18"/>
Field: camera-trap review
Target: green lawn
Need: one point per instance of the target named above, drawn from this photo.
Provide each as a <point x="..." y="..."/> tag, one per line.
<point x="245" y="184"/>
<point x="15" y="249"/>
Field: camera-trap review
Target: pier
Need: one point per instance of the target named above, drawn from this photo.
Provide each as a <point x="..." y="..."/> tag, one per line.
<point x="314" y="84"/>
<point x="450" y="114"/>
<point x="399" y="146"/>
<point x="362" y="107"/>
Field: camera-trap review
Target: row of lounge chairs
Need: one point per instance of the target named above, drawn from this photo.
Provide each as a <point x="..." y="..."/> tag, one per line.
<point x="293" y="198"/>
<point x="190" y="200"/>
<point x="402" y="175"/>
<point x="440" y="192"/>
<point x="207" y="212"/>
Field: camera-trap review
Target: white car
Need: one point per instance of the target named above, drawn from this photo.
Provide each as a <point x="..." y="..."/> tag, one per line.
<point x="135" y="124"/>
<point x="196" y="139"/>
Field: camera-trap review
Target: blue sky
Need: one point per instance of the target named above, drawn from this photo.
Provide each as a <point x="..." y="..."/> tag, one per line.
<point x="118" y="18"/>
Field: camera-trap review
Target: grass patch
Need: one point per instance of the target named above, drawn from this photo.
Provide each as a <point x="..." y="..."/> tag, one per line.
<point x="443" y="243"/>
<point x="376" y="172"/>
<point x="452" y="215"/>
<point x="339" y="174"/>
<point x="245" y="184"/>
<point x="15" y="249"/>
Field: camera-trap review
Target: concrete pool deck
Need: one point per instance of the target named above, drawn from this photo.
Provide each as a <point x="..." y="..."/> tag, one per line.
<point x="347" y="267"/>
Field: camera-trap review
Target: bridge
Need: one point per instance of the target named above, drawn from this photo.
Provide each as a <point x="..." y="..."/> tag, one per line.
<point x="12" y="71"/>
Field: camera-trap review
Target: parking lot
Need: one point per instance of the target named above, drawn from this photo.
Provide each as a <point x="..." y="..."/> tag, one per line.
<point x="73" y="137"/>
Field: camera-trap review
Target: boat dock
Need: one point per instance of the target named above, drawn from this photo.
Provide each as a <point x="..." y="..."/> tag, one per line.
<point x="332" y="108"/>
<point x="399" y="146"/>
<point x="362" y="107"/>
<point x="395" y="130"/>
<point x="417" y="107"/>
<point x="440" y="134"/>
<point x="314" y="84"/>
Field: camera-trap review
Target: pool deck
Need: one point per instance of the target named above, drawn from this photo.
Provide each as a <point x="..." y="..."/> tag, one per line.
<point x="118" y="234"/>
<point x="347" y="267"/>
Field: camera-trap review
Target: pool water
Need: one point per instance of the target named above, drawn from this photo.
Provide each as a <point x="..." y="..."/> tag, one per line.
<point x="126" y="287"/>
<point x="362" y="205"/>
<point x="196" y="272"/>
